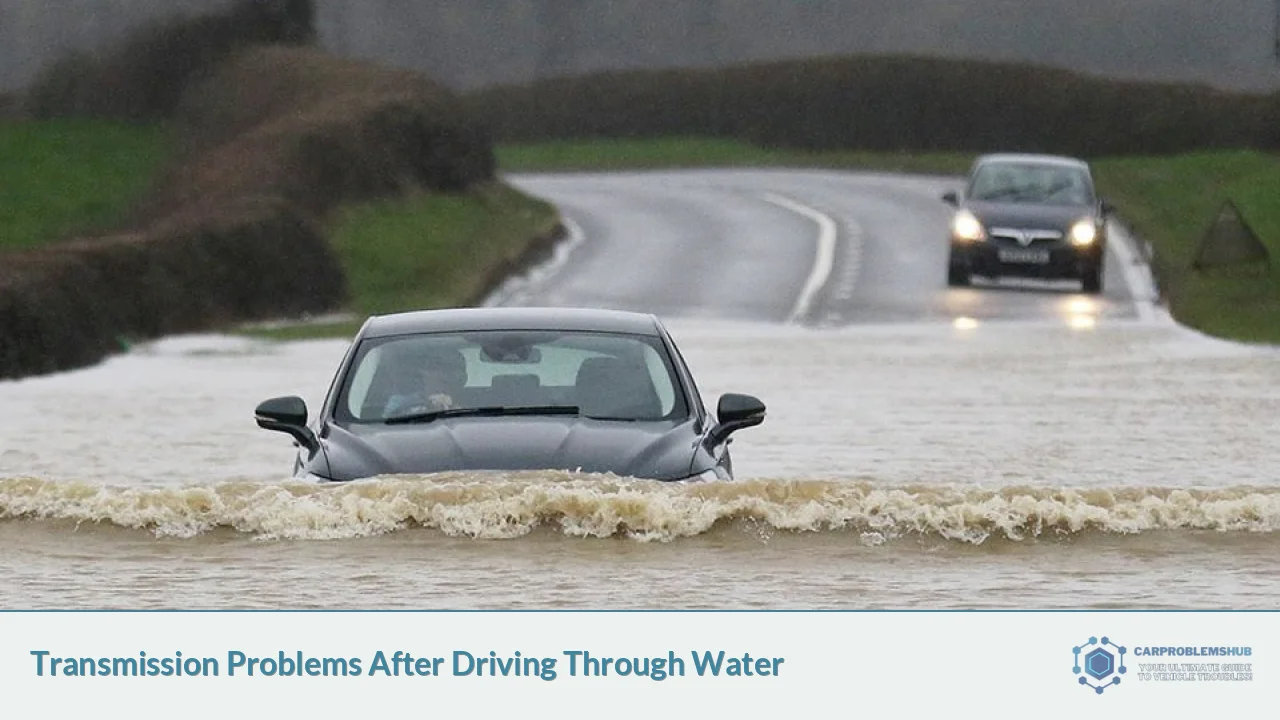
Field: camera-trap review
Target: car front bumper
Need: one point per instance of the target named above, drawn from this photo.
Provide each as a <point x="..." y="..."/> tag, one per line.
<point x="1060" y="260"/>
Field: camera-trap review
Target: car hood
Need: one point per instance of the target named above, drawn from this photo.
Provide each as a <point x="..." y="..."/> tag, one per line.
<point x="654" y="450"/>
<point x="1023" y="215"/>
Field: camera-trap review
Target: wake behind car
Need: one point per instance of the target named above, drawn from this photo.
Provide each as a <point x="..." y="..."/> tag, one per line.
<point x="513" y="389"/>
<point x="1031" y="216"/>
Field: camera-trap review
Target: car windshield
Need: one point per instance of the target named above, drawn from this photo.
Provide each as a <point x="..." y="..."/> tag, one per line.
<point x="1031" y="183"/>
<point x="606" y="376"/>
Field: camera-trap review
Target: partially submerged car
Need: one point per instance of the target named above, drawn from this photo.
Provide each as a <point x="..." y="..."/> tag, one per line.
<point x="1030" y="216"/>
<point x="595" y="391"/>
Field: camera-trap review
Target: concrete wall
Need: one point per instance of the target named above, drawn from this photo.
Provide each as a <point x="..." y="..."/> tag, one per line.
<point x="468" y="43"/>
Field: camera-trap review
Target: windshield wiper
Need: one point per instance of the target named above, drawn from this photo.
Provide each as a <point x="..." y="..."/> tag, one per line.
<point x="494" y="411"/>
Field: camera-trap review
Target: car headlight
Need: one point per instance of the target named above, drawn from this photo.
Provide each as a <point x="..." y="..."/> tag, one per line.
<point x="965" y="226"/>
<point x="1084" y="233"/>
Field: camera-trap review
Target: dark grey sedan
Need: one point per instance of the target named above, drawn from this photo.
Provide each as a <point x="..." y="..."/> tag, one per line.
<point x="513" y="389"/>
<point x="1030" y="216"/>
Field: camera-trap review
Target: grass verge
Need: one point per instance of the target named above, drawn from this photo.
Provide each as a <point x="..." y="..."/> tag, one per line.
<point x="1169" y="201"/>
<point x="426" y="251"/>
<point x="1172" y="202"/>
<point x="65" y="177"/>
<point x="429" y="250"/>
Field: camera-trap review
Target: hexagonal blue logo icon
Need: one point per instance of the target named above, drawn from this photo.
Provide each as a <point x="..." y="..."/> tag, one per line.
<point x="1099" y="664"/>
<point x="1103" y="663"/>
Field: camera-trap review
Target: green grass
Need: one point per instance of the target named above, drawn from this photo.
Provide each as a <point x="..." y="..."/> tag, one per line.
<point x="1170" y="201"/>
<point x="425" y="252"/>
<point x="58" y="178"/>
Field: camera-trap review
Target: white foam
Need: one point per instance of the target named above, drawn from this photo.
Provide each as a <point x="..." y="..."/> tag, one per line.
<point x="503" y="506"/>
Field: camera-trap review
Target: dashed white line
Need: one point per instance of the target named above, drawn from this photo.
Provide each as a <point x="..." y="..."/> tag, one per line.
<point x="824" y="259"/>
<point x="848" y="279"/>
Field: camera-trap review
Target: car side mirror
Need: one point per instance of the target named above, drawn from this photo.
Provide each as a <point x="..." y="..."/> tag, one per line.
<point x="951" y="198"/>
<point x="287" y="415"/>
<point x="736" y="412"/>
<point x="1106" y="206"/>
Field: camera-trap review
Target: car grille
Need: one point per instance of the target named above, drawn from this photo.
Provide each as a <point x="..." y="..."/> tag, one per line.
<point x="1025" y="237"/>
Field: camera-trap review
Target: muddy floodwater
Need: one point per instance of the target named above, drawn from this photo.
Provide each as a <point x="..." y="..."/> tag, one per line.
<point x="1065" y="464"/>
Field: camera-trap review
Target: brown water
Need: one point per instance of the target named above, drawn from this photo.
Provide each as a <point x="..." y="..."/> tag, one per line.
<point x="1007" y="465"/>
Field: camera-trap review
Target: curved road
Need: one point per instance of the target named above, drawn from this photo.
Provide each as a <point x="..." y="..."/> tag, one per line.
<point x="813" y="247"/>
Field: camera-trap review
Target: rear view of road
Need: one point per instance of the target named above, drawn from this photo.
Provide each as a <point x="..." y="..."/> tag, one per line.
<point x="814" y="247"/>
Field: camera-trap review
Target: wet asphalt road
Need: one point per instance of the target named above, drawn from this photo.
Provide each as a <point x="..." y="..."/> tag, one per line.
<point x="814" y="247"/>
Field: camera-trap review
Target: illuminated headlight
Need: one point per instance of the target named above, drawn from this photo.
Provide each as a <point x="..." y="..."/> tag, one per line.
<point x="1084" y="233"/>
<point x="964" y="226"/>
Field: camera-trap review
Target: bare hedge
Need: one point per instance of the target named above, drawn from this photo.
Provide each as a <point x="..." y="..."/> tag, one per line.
<point x="887" y="103"/>
<point x="274" y="139"/>
<point x="146" y="75"/>
<point x="317" y="130"/>
<point x="72" y="304"/>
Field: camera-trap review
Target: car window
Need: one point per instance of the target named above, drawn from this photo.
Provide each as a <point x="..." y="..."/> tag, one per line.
<point x="606" y="375"/>
<point x="1031" y="183"/>
<point x="660" y="377"/>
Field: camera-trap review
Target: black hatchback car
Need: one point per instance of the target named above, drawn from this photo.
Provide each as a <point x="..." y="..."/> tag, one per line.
<point x="513" y="389"/>
<point x="1030" y="216"/>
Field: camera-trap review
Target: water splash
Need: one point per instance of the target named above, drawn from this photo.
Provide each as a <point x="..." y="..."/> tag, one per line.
<point x="508" y="506"/>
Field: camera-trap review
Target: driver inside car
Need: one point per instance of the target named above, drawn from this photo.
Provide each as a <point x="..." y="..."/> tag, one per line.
<point x="436" y="381"/>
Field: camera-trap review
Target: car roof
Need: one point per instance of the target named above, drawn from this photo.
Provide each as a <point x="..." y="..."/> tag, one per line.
<point x="1034" y="158"/>
<point x="460" y="319"/>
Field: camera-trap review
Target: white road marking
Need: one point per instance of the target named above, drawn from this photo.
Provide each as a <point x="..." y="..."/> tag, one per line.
<point x="517" y="290"/>
<point x="824" y="258"/>
<point x="852" y="266"/>
<point x="1137" y="274"/>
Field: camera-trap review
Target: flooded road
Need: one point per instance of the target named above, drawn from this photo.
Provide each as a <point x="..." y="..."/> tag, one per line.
<point x="976" y="448"/>
<point x="900" y="467"/>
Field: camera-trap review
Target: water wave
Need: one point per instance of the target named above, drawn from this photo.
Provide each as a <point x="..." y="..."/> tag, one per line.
<point x="503" y="506"/>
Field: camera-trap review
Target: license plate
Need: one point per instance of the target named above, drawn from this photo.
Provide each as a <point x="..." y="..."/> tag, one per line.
<point x="1036" y="257"/>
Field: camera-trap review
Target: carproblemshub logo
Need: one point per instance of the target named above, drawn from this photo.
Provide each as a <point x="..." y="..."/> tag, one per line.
<point x="1099" y="664"/>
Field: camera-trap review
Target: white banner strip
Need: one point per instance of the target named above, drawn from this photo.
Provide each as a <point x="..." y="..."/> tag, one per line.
<point x="639" y="664"/>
